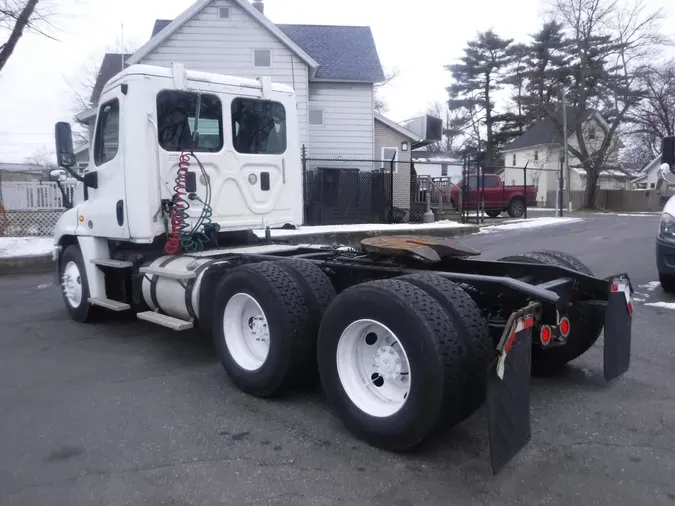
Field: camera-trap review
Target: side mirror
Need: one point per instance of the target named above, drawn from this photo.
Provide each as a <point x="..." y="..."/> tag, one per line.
<point x="668" y="152"/>
<point x="65" y="154"/>
<point x="57" y="175"/>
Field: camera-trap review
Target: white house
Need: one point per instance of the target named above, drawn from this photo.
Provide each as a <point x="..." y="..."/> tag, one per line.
<point x="540" y="149"/>
<point x="438" y="165"/>
<point x="333" y="69"/>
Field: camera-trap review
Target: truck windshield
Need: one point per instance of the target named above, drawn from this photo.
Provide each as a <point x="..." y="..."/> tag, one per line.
<point x="176" y="111"/>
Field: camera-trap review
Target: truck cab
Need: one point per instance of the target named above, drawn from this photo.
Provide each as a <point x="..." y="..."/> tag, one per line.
<point x="227" y="147"/>
<point x="665" y="237"/>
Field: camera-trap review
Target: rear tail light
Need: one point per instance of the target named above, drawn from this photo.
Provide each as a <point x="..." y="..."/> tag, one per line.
<point x="564" y="326"/>
<point x="545" y="335"/>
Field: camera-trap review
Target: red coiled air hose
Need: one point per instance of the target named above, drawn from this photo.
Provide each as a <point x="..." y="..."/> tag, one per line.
<point x="179" y="214"/>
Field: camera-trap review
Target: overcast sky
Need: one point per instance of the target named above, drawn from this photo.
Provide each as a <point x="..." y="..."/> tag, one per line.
<point x="417" y="37"/>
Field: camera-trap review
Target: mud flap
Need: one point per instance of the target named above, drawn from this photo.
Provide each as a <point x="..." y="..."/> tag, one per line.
<point x="618" y="323"/>
<point x="508" y="389"/>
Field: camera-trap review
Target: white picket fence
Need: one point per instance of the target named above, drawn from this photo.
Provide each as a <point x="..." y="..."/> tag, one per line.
<point x="34" y="196"/>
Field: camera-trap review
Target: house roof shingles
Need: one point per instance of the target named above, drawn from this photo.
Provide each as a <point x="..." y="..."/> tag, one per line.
<point x="344" y="53"/>
<point x="547" y="130"/>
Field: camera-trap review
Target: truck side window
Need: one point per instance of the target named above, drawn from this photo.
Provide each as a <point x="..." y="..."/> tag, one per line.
<point x="490" y="182"/>
<point x="107" y="139"/>
<point x="258" y="126"/>
<point x="176" y="112"/>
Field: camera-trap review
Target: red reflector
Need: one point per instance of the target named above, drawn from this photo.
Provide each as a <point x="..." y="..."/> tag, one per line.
<point x="630" y="308"/>
<point x="528" y="322"/>
<point x="545" y="335"/>
<point x="564" y="326"/>
<point x="509" y="341"/>
<point x="615" y="287"/>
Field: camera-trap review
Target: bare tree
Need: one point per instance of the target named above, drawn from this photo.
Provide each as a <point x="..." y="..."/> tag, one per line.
<point x="609" y="43"/>
<point x="20" y="16"/>
<point x="380" y="105"/>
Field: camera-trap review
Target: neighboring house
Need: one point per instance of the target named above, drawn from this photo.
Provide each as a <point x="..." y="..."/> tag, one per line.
<point x="82" y="157"/>
<point x="542" y="146"/>
<point x="333" y="69"/>
<point x="22" y="173"/>
<point x="649" y="177"/>
<point x="438" y="165"/>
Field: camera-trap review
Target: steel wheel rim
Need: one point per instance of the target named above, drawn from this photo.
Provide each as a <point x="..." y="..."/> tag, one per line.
<point x="71" y="284"/>
<point x="246" y="332"/>
<point x="373" y="368"/>
<point x="518" y="208"/>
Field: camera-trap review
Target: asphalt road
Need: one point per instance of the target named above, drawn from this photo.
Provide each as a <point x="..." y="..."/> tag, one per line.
<point x="127" y="413"/>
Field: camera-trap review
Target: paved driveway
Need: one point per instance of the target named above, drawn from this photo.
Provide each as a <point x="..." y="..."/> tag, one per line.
<point x="127" y="413"/>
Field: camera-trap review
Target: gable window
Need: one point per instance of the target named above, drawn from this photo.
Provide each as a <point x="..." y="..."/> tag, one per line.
<point x="591" y="132"/>
<point x="513" y="161"/>
<point x="536" y="155"/>
<point x="224" y="12"/>
<point x="176" y="118"/>
<point x="316" y="117"/>
<point x="444" y="169"/>
<point x="262" y="58"/>
<point x="258" y="126"/>
<point x="107" y="139"/>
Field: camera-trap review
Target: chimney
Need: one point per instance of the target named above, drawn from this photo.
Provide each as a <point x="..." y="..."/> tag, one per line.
<point x="258" y="4"/>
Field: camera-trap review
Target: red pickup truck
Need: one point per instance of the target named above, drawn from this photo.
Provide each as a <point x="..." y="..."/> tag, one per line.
<point x="497" y="196"/>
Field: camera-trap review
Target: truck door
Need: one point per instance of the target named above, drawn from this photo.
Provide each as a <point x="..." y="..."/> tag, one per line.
<point x="104" y="213"/>
<point x="492" y="192"/>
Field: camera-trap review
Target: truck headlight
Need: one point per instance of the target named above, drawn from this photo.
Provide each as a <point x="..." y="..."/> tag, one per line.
<point x="667" y="226"/>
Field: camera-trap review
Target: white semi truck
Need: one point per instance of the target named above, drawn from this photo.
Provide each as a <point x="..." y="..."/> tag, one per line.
<point x="408" y="335"/>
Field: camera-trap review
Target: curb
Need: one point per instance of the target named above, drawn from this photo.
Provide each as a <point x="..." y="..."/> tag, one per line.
<point x="43" y="263"/>
<point x="35" y="264"/>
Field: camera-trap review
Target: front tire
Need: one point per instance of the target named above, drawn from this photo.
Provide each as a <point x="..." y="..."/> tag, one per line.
<point x="667" y="282"/>
<point x="493" y="213"/>
<point x="392" y="363"/>
<point x="263" y="329"/>
<point x="75" y="286"/>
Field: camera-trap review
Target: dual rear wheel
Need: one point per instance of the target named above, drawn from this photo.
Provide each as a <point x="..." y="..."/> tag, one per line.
<point x="400" y="360"/>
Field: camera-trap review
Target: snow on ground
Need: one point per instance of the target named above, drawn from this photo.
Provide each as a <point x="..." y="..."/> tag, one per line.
<point x="533" y="223"/>
<point x="541" y="209"/>
<point x="368" y="227"/>
<point x="666" y="305"/>
<point x="25" y="246"/>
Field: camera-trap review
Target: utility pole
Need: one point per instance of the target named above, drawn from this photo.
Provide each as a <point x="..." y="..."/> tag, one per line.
<point x="567" y="162"/>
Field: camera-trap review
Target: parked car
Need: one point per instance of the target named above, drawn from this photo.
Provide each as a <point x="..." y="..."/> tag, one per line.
<point x="497" y="196"/>
<point x="665" y="247"/>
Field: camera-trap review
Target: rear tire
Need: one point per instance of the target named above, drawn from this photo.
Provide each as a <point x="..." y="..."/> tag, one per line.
<point x="392" y="327"/>
<point x="516" y="207"/>
<point x="493" y="214"/>
<point x="465" y="315"/>
<point x="262" y="328"/>
<point x="75" y="286"/>
<point x="667" y="282"/>
<point x="586" y="322"/>
<point x="319" y="293"/>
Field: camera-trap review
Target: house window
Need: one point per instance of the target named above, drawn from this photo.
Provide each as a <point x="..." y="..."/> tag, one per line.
<point x="591" y="132"/>
<point x="513" y="161"/>
<point x="536" y="155"/>
<point x="224" y="12"/>
<point x="389" y="154"/>
<point x="444" y="169"/>
<point x="316" y="117"/>
<point x="176" y="113"/>
<point x="258" y="126"/>
<point x="107" y="140"/>
<point x="262" y="58"/>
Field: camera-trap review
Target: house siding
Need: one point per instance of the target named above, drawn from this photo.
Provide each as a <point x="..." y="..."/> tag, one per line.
<point x="225" y="46"/>
<point x="348" y="129"/>
<point x="541" y="173"/>
<point x="386" y="137"/>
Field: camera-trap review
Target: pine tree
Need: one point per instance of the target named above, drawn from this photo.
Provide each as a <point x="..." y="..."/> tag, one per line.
<point x="476" y="79"/>
<point x="514" y="121"/>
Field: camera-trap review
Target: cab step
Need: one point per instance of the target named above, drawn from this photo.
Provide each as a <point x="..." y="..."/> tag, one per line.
<point x="113" y="305"/>
<point x="165" y="321"/>
<point x="108" y="262"/>
<point x="163" y="272"/>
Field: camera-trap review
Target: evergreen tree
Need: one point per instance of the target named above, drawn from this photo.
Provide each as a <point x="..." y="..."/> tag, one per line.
<point x="477" y="78"/>
<point x="514" y="121"/>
